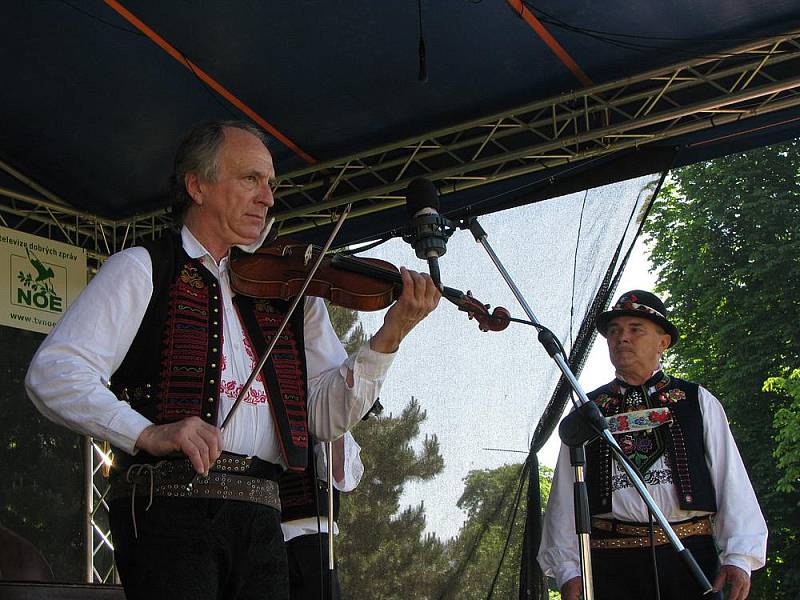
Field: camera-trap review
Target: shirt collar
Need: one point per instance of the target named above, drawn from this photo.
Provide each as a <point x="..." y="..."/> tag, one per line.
<point x="621" y="381"/>
<point x="196" y="250"/>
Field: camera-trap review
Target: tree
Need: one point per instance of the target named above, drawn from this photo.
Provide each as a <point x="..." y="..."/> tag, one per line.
<point x="726" y="238"/>
<point x="345" y="324"/>
<point x="489" y="499"/>
<point x="41" y="466"/>
<point x="787" y="425"/>
<point x="383" y="552"/>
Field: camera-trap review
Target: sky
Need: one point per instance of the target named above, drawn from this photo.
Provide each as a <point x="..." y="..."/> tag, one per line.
<point x="483" y="392"/>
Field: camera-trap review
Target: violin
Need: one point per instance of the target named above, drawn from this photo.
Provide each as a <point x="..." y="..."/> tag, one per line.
<point x="280" y="269"/>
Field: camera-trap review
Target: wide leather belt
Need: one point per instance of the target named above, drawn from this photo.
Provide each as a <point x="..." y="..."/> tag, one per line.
<point x="233" y="477"/>
<point x="638" y="536"/>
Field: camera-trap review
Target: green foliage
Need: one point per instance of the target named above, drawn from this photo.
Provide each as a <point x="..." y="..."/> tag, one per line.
<point x="383" y="551"/>
<point x="41" y="466"/>
<point x="489" y="500"/>
<point x="787" y="425"/>
<point x="726" y="238"/>
<point x="345" y="324"/>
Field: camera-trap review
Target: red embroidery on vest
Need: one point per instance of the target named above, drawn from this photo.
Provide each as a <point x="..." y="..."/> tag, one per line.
<point x="184" y="347"/>
<point x="289" y="371"/>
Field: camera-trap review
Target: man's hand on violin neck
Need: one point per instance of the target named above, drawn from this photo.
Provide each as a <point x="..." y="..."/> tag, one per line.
<point x="199" y="441"/>
<point x="419" y="297"/>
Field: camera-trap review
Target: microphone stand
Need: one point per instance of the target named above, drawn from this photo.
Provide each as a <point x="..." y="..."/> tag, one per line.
<point x="331" y="567"/>
<point x="580" y="427"/>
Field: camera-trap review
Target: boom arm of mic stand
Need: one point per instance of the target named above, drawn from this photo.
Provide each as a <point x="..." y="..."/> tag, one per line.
<point x="550" y="344"/>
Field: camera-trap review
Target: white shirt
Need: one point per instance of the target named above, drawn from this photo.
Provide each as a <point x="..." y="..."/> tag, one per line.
<point x="739" y="529"/>
<point x="68" y="377"/>
<point x="353" y="471"/>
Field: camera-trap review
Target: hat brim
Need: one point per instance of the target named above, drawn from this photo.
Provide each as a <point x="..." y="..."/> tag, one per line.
<point x="605" y="318"/>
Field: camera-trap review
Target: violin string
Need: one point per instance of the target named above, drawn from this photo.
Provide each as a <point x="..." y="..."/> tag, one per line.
<point x="249" y="383"/>
<point x="457" y="297"/>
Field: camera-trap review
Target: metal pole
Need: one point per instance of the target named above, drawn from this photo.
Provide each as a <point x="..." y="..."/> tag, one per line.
<point x="329" y="450"/>
<point x="88" y="498"/>
<point x="583" y="402"/>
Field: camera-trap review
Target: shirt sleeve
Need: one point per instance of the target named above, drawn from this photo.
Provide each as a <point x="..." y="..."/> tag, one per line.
<point x="353" y="467"/>
<point x="558" y="552"/>
<point x="333" y="406"/>
<point x="68" y="377"/>
<point x="739" y="528"/>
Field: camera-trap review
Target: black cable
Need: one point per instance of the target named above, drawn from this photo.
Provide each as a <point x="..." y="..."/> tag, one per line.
<point x="512" y="519"/>
<point x="456" y="573"/>
<point x="103" y="21"/>
<point x="186" y="60"/>
<point x="604" y="37"/>
<point x="423" y="61"/>
<point x="555" y="20"/>
<point x="471" y="209"/>
<point x="550" y="179"/>
<point x="652" y="536"/>
<point x="224" y="105"/>
<point x="351" y="251"/>
<point x="575" y="268"/>
<point x="574" y="273"/>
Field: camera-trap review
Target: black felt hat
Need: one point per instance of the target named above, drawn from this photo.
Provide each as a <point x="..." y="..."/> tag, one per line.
<point x="639" y="303"/>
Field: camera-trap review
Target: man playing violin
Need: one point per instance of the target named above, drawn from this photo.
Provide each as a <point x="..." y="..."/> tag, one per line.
<point x="154" y="352"/>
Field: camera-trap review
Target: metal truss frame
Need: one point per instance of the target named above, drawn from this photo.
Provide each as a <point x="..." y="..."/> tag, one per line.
<point x="48" y="216"/>
<point x="754" y="79"/>
<point x="751" y="80"/>
<point x="98" y="546"/>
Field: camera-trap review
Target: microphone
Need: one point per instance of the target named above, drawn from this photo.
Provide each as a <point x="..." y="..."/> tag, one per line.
<point x="428" y="231"/>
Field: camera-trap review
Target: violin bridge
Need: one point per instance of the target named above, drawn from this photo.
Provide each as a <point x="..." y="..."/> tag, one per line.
<point x="309" y="254"/>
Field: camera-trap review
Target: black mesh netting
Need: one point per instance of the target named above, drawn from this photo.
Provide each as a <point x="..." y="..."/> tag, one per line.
<point x="489" y="401"/>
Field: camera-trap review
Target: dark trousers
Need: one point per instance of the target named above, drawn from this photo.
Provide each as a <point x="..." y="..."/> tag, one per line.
<point x="310" y="579"/>
<point x="627" y="573"/>
<point x="196" y="549"/>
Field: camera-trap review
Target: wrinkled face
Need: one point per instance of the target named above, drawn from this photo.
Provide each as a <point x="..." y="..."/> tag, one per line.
<point x="233" y="208"/>
<point x="635" y="345"/>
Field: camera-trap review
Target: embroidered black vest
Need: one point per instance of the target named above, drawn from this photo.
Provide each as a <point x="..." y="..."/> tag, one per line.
<point x="172" y="370"/>
<point x="298" y="491"/>
<point x="683" y="444"/>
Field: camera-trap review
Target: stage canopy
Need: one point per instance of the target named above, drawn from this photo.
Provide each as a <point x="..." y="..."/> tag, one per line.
<point x="501" y="103"/>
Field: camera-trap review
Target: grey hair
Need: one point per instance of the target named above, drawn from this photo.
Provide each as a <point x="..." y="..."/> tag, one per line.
<point x="199" y="153"/>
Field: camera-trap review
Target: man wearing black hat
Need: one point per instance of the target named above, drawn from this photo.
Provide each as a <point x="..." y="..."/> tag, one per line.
<point x="676" y="433"/>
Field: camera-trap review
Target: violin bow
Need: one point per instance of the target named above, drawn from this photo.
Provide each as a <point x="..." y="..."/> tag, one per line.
<point x="246" y="389"/>
<point x="248" y="384"/>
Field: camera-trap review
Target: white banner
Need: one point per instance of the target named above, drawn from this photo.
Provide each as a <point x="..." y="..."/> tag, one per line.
<point x="41" y="278"/>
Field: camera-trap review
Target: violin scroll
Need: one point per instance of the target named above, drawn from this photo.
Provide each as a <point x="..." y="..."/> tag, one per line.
<point x="497" y="320"/>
